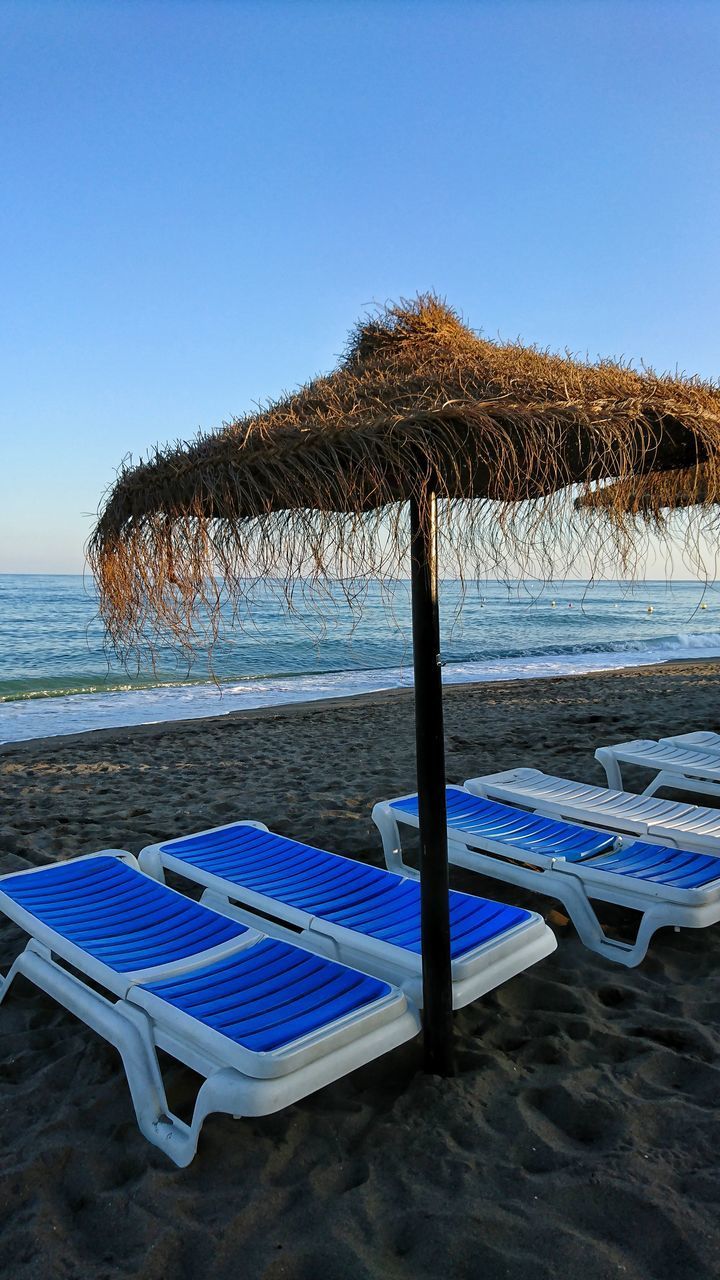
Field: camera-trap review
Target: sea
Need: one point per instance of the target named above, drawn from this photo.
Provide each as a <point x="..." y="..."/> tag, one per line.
<point x="57" y="676"/>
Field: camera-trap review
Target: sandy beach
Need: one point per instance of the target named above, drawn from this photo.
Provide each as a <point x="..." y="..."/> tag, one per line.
<point x="580" y="1136"/>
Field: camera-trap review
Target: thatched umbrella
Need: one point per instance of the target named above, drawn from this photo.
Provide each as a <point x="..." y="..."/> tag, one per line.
<point x="420" y="410"/>
<point x="655" y="494"/>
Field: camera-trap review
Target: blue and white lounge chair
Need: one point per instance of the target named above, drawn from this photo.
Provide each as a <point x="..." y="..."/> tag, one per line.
<point x="264" y="1022"/>
<point x="671" y="822"/>
<point x="354" y="913"/>
<point x="572" y="863"/>
<point x="687" y="762"/>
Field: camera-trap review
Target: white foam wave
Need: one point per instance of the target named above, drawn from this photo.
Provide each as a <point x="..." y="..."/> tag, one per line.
<point x="20" y="721"/>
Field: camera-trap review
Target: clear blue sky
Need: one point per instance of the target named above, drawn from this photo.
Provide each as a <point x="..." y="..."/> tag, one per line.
<point x="200" y="198"/>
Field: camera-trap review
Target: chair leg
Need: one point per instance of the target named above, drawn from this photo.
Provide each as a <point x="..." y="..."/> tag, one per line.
<point x="12" y="973"/>
<point x="650" y="923"/>
<point x="606" y="757"/>
<point x="591" y="932"/>
<point x="683" y="782"/>
<point x="151" y="863"/>
<point x="129" y="1030"/>
<point x="662" y="780"/>
<point x="583" y="916"/>
<point x="386" y="824"/>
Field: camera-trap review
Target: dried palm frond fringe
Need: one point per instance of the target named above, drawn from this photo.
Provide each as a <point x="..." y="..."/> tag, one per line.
<point x="313" y="487"/>
<point x="657" y="493"/>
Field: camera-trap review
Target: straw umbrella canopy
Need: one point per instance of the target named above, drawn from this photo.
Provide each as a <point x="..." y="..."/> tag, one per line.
<point x="421" y="410"/>
<point x="655" y="494"/>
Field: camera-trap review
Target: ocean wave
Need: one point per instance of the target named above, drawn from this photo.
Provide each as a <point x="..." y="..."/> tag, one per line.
<point x="22" y="718"/>
<point x="82" y="686"/>
<point x="9" y="691"/>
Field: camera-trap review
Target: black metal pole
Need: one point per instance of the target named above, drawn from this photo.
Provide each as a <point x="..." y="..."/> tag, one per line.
<point x="435" y="910"/>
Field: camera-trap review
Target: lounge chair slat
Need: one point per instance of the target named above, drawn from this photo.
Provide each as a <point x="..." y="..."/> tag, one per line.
<point x="161" y="929"/>
<point x="485" y="818"/>
<point x="313" y="999"/>
<point x="271" y="973"/>
<point x="340" y="891"/>
<point x="662" y="865"/>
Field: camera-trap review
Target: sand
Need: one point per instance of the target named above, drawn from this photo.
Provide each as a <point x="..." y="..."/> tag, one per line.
<point x="579" y="1139"/>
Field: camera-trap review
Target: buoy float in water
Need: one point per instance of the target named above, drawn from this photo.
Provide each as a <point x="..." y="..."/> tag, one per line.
<point x="703" y="605"/>
<point x="650" y="609"/>
<point x="553" y="604"/>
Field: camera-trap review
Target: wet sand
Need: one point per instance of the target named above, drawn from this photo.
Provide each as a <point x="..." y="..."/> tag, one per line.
<point x="580" y="1136"/>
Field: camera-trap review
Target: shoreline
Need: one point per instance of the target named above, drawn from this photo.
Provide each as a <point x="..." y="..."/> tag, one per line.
<point x="311" y="706"/>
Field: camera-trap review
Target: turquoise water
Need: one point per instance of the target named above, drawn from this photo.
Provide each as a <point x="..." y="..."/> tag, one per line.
<point x="55" y="676"/>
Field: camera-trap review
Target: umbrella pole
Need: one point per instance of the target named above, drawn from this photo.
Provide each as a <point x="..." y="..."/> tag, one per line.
<point x="430" y="744"/>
